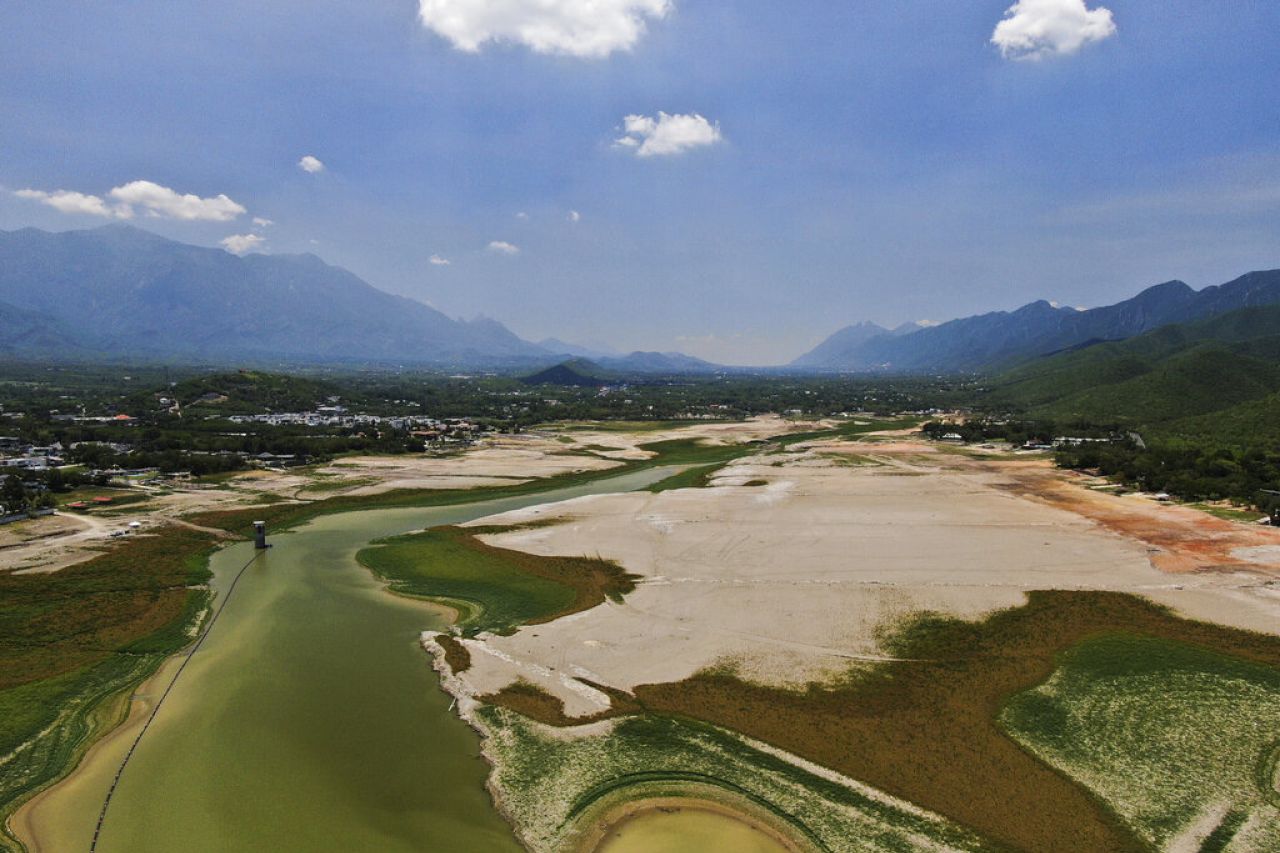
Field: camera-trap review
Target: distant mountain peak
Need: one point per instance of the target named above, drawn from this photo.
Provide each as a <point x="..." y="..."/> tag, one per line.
<point x="559" y="347"/>
<point x="1002" y="338"/>
<point x="576" y="372"/>
<point x="121" y="291"/>
<point x="840" y="343"/>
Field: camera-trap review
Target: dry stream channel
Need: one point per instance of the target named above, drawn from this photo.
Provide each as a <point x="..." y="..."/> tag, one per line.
<point x="310" y="720"/>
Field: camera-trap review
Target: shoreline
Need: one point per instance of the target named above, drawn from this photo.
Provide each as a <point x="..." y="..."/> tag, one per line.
<point x="24" y="821"/>
<point x="590" y="828"/>
<point x="120" y="716"/>
<point x="465" y="706"/>
<point x="618" y="815"/>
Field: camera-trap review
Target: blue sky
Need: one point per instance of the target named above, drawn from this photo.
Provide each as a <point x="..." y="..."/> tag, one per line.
<point x="828" y="162"/>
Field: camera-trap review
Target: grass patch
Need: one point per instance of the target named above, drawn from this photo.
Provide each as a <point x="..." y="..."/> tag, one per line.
<point x="529" y="700"/>
<point x="1224" y="833"/>
<point x="505" y="588"/>
<point x="698" y="477"/>
<point x="553" y="786"/>
<point x="455" y="654"/>
<point x="1164" y="730"/>
<point x="1230" y="513"/>
<point x="73" y="642"/>
<point x="927" y="730"/>
<point x="602" y="448"/>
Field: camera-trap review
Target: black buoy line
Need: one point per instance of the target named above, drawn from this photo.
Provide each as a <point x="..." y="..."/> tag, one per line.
<point x="106" y="803"/>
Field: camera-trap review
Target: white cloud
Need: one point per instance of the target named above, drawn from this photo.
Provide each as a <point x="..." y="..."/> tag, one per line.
<point x="583" y="28"/>
<point x="667" y="134"/>
<point x="438" y="261"/>
<point x="310" y="163"/>
<point x="239" y="244"/>
<point x="1035" y="29"/>
<point x="161" y="201"/>
<point x="522" y="215"/>
<point x="575" y="216"/>
<point x="262" y="222"/>
<point x="502" y="247"/>
<point x="150" y="197"/>
<point x="68" y="201"/>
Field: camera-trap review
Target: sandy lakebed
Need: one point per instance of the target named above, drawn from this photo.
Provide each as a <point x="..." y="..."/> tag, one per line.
<point x="792" y="568"/>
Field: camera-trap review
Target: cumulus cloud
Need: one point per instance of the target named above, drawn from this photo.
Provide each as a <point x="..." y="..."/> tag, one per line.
<point x="502" y="247"/>
<point x="1035" y="29"/>
<point x="153" y="199"/>
<point x="667" y="134"/>
<point x="161" y="201"/>
<point x="575" y="216"/>
<point x="262" y="222"/>
<point x="68" y="201"/>
<point x="310" y="163"/>
<point x="438" y="261"/>
<point x="583" y="28"/>
<point x="239" y="244"/>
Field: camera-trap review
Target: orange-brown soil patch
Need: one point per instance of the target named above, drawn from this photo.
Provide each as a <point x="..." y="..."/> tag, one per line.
<point x="1184" y="539"/>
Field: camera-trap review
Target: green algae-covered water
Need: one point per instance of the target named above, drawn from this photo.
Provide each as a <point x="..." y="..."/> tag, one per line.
<point x="688" y="831"/>
<point x="310" y="720"/>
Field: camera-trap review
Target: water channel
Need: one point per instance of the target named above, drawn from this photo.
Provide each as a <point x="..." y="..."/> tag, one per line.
<point x="310" y="720"/>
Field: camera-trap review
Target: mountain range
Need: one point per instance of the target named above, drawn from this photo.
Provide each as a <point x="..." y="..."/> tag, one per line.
<point x="1215" y="380"/>
<point x="121" y="291"/>
<point x="1002" y="339"/>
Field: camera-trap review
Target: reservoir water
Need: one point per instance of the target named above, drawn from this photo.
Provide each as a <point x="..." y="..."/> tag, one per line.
<point x="689" y="830"/>
<point x="310" y="719"/>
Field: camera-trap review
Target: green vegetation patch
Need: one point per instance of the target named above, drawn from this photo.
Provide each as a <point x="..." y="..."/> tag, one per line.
<point x="926" y="728"/>
<point x="75" y="641"/>
<point x="1230" y="513"/>
<point x="697" y="477"/>
<point x="456" y="654"/>
<point x="553" y="785"/>
<point x="506" y="588"/>
<point x="1163" y="731"/>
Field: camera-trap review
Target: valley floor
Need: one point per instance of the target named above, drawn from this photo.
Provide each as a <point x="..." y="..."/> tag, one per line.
<point x="810" y="567"/>
<point x="852" y="642"/>
<point x="792" y="579"/>
<point x="68" y="538"/>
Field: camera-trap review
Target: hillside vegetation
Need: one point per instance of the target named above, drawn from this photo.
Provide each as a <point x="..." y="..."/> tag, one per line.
<point x="1164" y="375"/>
<point x="1204" y="397"/>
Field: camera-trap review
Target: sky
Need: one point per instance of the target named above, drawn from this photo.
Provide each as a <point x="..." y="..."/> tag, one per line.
<point x="734" y="180"/>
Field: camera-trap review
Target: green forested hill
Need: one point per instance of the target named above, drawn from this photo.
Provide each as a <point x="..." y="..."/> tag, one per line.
<point x="1252" y="423"/>
<point x="1205" y="397"/>
<point x="244" y="391"/>
<point x="1158" y="379"/>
